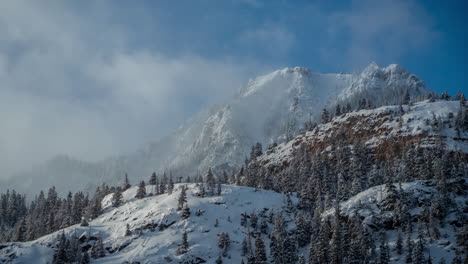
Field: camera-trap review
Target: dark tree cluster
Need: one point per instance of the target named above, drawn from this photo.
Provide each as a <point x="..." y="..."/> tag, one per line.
<point x="46" y="213"/>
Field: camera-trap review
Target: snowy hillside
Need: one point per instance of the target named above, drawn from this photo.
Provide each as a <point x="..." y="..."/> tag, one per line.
<point x="424" y="124"/>
<point x="271" y="108"/>
<point x="156" y="226"/>
<point x="162" y="227"/>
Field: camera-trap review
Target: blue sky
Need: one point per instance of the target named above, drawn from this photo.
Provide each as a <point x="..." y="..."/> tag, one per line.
<point x="426" y="37"/>
<point x="94" y="78"/>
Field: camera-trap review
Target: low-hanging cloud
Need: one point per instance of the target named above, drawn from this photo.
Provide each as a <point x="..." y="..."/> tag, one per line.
<point x="73" y="86"/>
<point x="77" y="80"/>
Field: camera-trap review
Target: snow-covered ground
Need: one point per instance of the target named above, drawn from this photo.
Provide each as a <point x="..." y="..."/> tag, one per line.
<point x="155" y="246"/>
<point x="368" y="205"/>
<point x="381" y="124"/>
<point x="159" y="246"/>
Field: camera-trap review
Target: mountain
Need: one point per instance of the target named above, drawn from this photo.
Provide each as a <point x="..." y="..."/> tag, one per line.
<point x="381" y="184"/>
<point x="386" y="131"/>
<point x="155" y="227"/>
<point x="271" y="108"/>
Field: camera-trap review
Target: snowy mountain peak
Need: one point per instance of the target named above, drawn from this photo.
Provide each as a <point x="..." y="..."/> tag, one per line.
<point x="271" y="108"/>
<point x="275" y="79"/>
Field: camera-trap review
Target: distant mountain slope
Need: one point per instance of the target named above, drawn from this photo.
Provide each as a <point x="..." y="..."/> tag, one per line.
<point x="271" y="108"/>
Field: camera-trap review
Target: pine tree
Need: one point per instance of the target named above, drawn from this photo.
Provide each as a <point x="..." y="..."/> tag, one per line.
<point x="170" y="186"/>
<point x="60" y="255"/>
<point x="406" y="97"/>
<point x="153" y="179"/>
<point x="289" y="250"/>
<point x="337" y="240"/>
<point x="303" y="228"/>
<point x="325" y="116"/>
<point x="202" y="191"/>
<point x="224" y="242"/>
<point x="210" y="181"/>
<point x="264" y="227"/>
<point x="184" y="245"/>
<point x="185" y="212"/>
<point x="274" y="250"/>
<point x="338" y="110"/>
<point x="384" y="253"/>
<point x="260" y="252"/>
<point x="399" y="244"/>
<point x="322" y="247"/>
<point x="98" y="250"/>
<point x="117" y="197"/>
<point x="409" y="248"/>
<point x="20" y="232"/>
<point x="182" y="198"/>
<point x="253" y="220"/>
<point x="141" y="191"/>
<point x="219" y="189"/>
<point x="126" y="184"/>
<point x="244" y="247"/>
<point x="162" y="184"/>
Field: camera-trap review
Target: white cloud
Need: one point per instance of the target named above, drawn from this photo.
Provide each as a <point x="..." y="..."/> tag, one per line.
<point x="72" y="85"/>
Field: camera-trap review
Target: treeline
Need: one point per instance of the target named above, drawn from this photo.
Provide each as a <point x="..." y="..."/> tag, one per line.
<point x="46" y="213"/>
<point x="49" y="213"/>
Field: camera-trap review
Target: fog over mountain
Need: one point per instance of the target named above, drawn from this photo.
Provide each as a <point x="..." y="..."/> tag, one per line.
<point x="269" y="109"/>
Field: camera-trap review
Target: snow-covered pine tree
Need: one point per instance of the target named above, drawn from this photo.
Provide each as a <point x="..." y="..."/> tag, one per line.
<point x="337" y="239"/>
<point x="184" y="245"/>
<point x="224" y="242"/>
<point x="141" y="191"/>
<point x="322" y="245"/>
<point x="384" y="254"/>
<point x="260" y="252"/>
<point x="117" y="197"/>
<point x="303" y="229"/>
<point x="325" y="118"/>
<point x="153" y="182"/>
<point x="399" y="244"/>
<point x="210" y="181"/>
<point x="170" y="186"/>
<point x="253" y="220"/>
<point x="219" y="189"/>
<point x="182" y="198"/>
<point x="185" y="212"/>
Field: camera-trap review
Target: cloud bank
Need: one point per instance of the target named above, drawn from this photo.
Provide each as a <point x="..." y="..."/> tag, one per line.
<point x="95" y="79"/>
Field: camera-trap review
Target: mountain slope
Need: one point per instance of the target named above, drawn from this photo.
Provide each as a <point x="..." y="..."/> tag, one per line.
<point x="162" y="226"/>
<point x="385" y="130"/>
<point x="160" y="244"/>
<point x="271" y="108"/>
